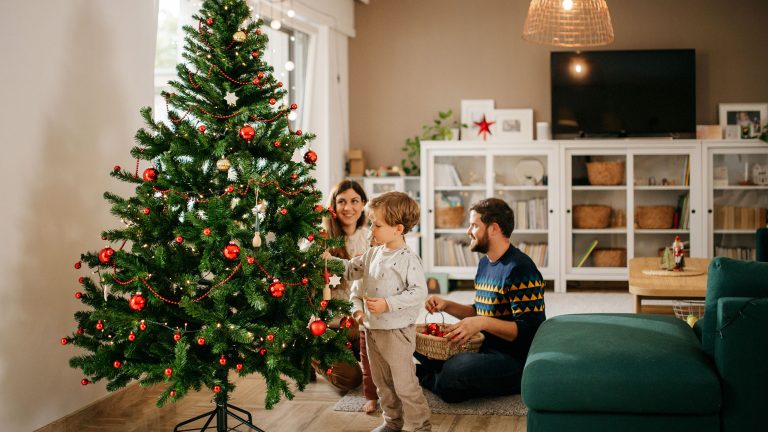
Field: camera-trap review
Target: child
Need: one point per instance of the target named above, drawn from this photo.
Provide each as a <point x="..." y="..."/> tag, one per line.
<point x="393" y="290"/>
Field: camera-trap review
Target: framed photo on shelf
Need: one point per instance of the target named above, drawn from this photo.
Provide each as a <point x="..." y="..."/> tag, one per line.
<point x="512" y="125"/>
<point x="437" y="283"/>
<point x="743" y="120"/>
<point x="473" y="110"/>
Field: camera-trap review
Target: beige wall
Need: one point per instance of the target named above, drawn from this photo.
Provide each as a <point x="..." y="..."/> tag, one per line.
<point x="75" y="74"/>
<point x="411" y="58"/>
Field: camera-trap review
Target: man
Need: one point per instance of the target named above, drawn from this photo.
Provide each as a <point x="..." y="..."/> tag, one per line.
<point x="508" y="309"/>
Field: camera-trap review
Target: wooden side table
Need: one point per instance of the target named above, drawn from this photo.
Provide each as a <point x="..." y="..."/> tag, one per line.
<point x="644" y="286"/>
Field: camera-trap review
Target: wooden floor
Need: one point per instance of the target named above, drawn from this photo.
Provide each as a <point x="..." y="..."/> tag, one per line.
<point x="133" y="410"/>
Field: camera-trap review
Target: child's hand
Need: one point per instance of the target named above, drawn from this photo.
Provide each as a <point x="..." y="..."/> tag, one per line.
<point x="326" y="255"/>
<point x="376" y="305"/>
<point x="359" y="316"/>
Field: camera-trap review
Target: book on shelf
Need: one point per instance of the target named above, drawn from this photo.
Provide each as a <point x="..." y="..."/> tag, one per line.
<point x="587" y="253"/>
<point x="446" y="175"/>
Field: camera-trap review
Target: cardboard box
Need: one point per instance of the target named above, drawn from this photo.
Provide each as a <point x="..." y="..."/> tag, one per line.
<point x="356" y="162"/>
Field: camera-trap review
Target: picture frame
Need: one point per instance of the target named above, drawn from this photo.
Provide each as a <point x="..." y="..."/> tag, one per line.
<point x="437" y="283"/>
<point x="512" y="125"/>
<point x="743" y="121"/>
<point x="473" y="110"/>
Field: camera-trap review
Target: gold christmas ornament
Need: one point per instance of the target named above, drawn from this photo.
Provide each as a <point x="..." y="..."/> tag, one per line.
<point x="239" y="36"/>
<point x="223" y="164"/>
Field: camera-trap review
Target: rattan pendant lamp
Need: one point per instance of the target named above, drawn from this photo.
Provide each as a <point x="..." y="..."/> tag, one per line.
<point x="568" y="23"/>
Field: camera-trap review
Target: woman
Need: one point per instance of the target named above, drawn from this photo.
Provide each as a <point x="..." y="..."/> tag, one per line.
<point x="348" y="201"/>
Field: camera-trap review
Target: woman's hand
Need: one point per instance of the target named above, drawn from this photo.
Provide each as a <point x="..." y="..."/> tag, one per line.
<point x="435" y="304"/>
<point x="460" y="332"/>
<point x="376" y="305"/>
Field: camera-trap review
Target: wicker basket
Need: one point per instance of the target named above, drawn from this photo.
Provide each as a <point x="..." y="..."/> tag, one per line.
<point x="591" y="216"/>
<point x="655" y="217"/>
<point x="684" y="308"/>
<point x="609" y="257"/>
<point x="449" y="217"/>
<point x="440" y="348"/>
<point x="605" y="173"/>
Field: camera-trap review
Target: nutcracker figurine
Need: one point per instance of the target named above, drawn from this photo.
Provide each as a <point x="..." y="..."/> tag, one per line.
<point x="678" y="249"/>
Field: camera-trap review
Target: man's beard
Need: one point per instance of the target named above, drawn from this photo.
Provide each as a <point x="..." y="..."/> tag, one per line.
<point x="480" y="246"/>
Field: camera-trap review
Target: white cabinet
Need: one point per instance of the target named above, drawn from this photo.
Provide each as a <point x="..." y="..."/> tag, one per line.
<point x="456" y="174"/>
<point x="736" y="174"/>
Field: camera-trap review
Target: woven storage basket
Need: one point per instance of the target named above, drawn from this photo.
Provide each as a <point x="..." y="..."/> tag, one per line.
<point x="605" y="173"/>
<point x="684" y="308"/>
<point x="449" y="217"/>
<point x="440" y="348"/>
<point x="656" y="217"/>
<point x="609" y="257"/>
<point x="591" y="216"/>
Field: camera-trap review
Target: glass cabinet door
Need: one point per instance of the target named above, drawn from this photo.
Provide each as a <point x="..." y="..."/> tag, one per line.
<point x="522" y="181"/>
<point x="596" y="215"/>
<point x="459" y="181"/>
<point x="739" y="200"/>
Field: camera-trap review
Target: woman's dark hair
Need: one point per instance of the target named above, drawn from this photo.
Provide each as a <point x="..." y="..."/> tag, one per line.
<point x="332" y="226"/>
<point x="496" y="210"/>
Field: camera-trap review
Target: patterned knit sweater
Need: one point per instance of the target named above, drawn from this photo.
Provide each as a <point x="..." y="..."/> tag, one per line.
<point x="512" y="289"/>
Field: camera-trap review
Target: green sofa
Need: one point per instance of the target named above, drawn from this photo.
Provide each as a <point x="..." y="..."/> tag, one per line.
<point x="643" y="372"/>
<point x="761" y="244"/>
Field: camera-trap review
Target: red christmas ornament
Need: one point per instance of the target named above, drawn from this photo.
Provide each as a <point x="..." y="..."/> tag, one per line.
<point x="64" y="341"/>
<point x="216" y="388"/>
<point x="277" y="143"/>
<point x="255" y="81"/>
<point x="251" y="260"/>
<point x="222" y="360"/>
<point x="78" y="295"/>
<point x="311" y="237"/>
<point x="150" y="175"/>
<point x="433" y="329"/>
<point x="294" y="106"/>
<point x="80" y="279"/>
<point x="229" y="189"/>
<point x="239" y="367"/>
<point x="324" y="304"/>
<point x="168" y="372"/>
<point x="247" y="132"/>
<point x="294" y="176"/>
<point x="206" y="232"/>
<point x="85" y="381"/>
<point x="263" y="351"/>
<point x="99" y="325"/>
<point x="209" y="21"/>
<point x="172" y="393"/>
<point x="283" y="211"/>
<point x="270" y="337"/>
<point x="177" y="337"/>
<point x="277" y="289"/>
<point x="146" y="210"/>
<point x="279" y="83"/>
<point x="310" y="157"/>
<point x="298" y="132"/>
<point x="80" y="330"/>
<point x="260" y="75"/>
<point x="304" y="281"/>
<point x="231" y="251"/>
<point x="78" y="265"/>
<point x="318" y="327"/>
<point x="258" y="31"/>
<point x="272" y="101"/>
<point x="319" y="208"/>
<point x="484" y="127"/>
<point x="349" y="345"/>
<point x="201" y="128"/>
<point x="179" y="239"/>
<point x="201" y="341"/>
<point x="105" y="255"/>
<point x="132" y="336"/>
<point x="116" y="168"/>
<point x="137" y="302"/>
<point x="255" y="54"/>
<point x="329" y="371"/>
<point x="142" y="326"/>
<point x="117" y="364"/>
<point x="345" y="322"/>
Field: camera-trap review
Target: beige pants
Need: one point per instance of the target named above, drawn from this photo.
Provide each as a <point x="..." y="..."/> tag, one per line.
<point x="390" y="353"/>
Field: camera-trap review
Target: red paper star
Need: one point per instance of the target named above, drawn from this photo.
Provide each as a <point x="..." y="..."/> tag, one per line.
<point x="484" y="127"/>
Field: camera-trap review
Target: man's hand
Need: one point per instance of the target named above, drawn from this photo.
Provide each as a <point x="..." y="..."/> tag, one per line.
<point x="435" y="304"/>
<point x="463" y="330"/>
<point x="376" y="305"/>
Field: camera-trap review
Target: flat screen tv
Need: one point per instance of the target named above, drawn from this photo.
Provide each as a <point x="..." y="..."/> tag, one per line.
<point x="608" y="94"/>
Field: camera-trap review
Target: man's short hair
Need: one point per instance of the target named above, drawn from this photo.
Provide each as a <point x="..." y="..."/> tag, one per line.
<point x="496" y="210"/>
<point x="397" y="208"/>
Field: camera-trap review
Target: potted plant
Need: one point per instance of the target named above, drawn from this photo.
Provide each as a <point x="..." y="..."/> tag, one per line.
<point x="443" y="128"/>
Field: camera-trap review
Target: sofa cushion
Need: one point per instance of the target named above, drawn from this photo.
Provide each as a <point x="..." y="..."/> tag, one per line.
<point x="620" y="363"/>
<point x="730" y="278"/>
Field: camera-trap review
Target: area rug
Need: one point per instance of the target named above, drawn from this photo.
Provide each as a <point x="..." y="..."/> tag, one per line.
<point x="501" y="406"/>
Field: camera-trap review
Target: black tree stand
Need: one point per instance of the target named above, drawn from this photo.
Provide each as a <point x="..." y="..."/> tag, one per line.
<point x="221" y="413"/>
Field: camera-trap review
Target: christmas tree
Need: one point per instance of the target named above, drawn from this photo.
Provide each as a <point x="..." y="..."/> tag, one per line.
<point x="217" y="268"/>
